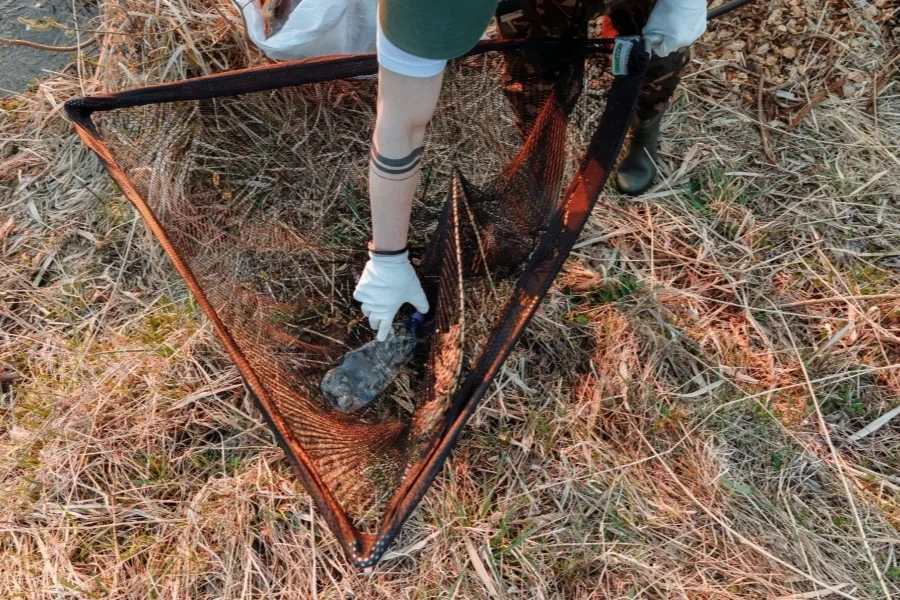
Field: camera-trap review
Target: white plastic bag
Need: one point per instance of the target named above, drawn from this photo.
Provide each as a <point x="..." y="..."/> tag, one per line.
<point x="314" y="28"/>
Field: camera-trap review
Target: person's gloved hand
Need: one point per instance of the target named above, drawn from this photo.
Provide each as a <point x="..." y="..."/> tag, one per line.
<point x="386" y="284"/>
<point x="674" y="24"/>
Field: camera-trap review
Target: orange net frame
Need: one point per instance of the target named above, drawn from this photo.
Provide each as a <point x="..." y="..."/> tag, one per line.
<point x="254" y="184"/>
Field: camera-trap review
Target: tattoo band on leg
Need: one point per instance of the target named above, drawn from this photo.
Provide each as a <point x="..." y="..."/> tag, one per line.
<point x="395" y="169"/>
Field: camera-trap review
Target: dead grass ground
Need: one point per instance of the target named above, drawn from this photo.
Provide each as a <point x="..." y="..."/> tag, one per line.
<point x="732" y="334"/>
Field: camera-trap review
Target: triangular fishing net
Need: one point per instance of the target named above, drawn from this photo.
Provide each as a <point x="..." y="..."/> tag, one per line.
<point x="254" y="183"/>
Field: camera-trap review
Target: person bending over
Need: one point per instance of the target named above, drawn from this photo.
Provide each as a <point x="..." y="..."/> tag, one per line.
<point x="668" y="27"/>
<point x="416" y="38"/>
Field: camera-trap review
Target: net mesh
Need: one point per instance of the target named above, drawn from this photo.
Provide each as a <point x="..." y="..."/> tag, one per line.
<point x="262" y="198"/>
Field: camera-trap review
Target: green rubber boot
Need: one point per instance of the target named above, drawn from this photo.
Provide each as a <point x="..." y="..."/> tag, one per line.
<point x="638" y="169"/>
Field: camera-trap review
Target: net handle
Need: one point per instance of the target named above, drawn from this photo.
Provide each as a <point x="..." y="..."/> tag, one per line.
<point x="561" y="235"/>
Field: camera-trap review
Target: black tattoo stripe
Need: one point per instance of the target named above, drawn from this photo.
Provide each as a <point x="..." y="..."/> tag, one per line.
<point x="380" y="176"/>
<point x="397" y="162"/>
<point x="387" y="171"/>
<point x="400" y="166"/>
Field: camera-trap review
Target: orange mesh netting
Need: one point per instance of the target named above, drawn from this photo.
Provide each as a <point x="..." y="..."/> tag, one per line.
<point x="254" y="184"/>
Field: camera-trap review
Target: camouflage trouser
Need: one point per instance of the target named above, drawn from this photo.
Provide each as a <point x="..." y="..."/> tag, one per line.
<point x="518" y="19"/>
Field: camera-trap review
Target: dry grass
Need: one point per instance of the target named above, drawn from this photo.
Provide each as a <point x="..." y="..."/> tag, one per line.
<point x="678" y="423"/>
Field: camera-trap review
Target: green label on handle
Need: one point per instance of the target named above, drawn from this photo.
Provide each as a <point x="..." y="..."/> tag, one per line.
<point x="621" y="52"/>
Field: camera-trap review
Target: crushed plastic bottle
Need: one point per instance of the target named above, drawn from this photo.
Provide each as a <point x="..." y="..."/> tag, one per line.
<point x="365" y="372"/>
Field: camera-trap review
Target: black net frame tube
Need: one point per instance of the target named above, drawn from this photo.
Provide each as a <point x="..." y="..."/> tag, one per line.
<point x="297" y="72"/>
<point x="727" y="8"/>
<point x="289" y="74"/>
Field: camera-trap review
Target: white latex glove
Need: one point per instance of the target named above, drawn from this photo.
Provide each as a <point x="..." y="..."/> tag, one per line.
<point x="674" y="24"/>
<point x="386" y="284"/>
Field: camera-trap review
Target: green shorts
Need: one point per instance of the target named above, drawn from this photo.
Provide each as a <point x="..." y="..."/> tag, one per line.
<point x="436" y="29"/>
